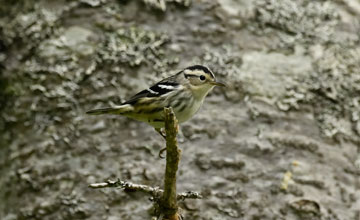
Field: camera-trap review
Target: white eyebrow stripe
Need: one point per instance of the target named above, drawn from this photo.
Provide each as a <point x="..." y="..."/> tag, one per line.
<point x="152" y="91"/>
<point x="166" y="87"/>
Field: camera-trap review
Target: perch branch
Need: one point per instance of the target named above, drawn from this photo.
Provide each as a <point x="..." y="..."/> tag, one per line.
<point x="169" y="200"/>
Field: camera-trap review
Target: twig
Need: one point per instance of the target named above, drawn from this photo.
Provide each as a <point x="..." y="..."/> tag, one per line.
<point x="156" y="192"/>
<point x="188" y="195"/>
<point x="153" y="191"/>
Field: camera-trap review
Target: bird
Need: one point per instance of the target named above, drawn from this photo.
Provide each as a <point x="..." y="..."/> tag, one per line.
<point x="184" y="92"/>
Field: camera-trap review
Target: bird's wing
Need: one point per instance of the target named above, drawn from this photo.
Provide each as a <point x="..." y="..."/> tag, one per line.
<point x="161" y="88"/>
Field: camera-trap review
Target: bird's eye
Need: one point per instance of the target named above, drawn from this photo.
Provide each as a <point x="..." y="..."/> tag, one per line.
<point x="202" y="77"/>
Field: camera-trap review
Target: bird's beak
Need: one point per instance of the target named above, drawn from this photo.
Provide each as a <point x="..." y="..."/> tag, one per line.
<point x="218" y="84"/>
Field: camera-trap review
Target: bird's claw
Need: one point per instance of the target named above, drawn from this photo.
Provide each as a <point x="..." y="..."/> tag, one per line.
<point x="161" y="152"/>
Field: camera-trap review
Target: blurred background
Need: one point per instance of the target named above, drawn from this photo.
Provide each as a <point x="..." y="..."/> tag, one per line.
<point x="281" y="142"/>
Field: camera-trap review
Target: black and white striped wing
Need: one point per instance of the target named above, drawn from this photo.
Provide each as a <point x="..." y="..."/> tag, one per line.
<point x="157" y="90"/>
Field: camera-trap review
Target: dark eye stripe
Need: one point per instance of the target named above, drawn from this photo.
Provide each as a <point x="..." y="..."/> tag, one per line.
<point x="190" y="75"/>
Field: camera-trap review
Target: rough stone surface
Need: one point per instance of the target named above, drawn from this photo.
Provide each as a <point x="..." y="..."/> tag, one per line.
<point x="281" y="142"/>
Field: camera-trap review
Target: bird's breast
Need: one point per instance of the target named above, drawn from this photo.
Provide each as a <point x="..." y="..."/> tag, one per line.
<point x="188" y="110"/>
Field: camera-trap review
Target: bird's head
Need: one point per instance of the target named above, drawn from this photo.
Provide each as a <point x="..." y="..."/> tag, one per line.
<point x="200" y="80"/>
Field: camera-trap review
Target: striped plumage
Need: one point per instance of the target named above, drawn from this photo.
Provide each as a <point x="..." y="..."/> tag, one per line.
<point x="184" y="92"/>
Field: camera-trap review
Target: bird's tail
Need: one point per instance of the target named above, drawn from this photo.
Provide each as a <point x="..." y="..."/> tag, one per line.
<point x="118" y="110"/>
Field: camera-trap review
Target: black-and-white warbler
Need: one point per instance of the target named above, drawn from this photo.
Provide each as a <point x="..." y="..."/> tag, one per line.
<point x="184" y="92"/>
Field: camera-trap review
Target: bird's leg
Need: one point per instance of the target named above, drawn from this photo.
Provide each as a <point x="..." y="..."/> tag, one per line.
<point x="160" y="132"/>
<point x="164" y="136"/>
